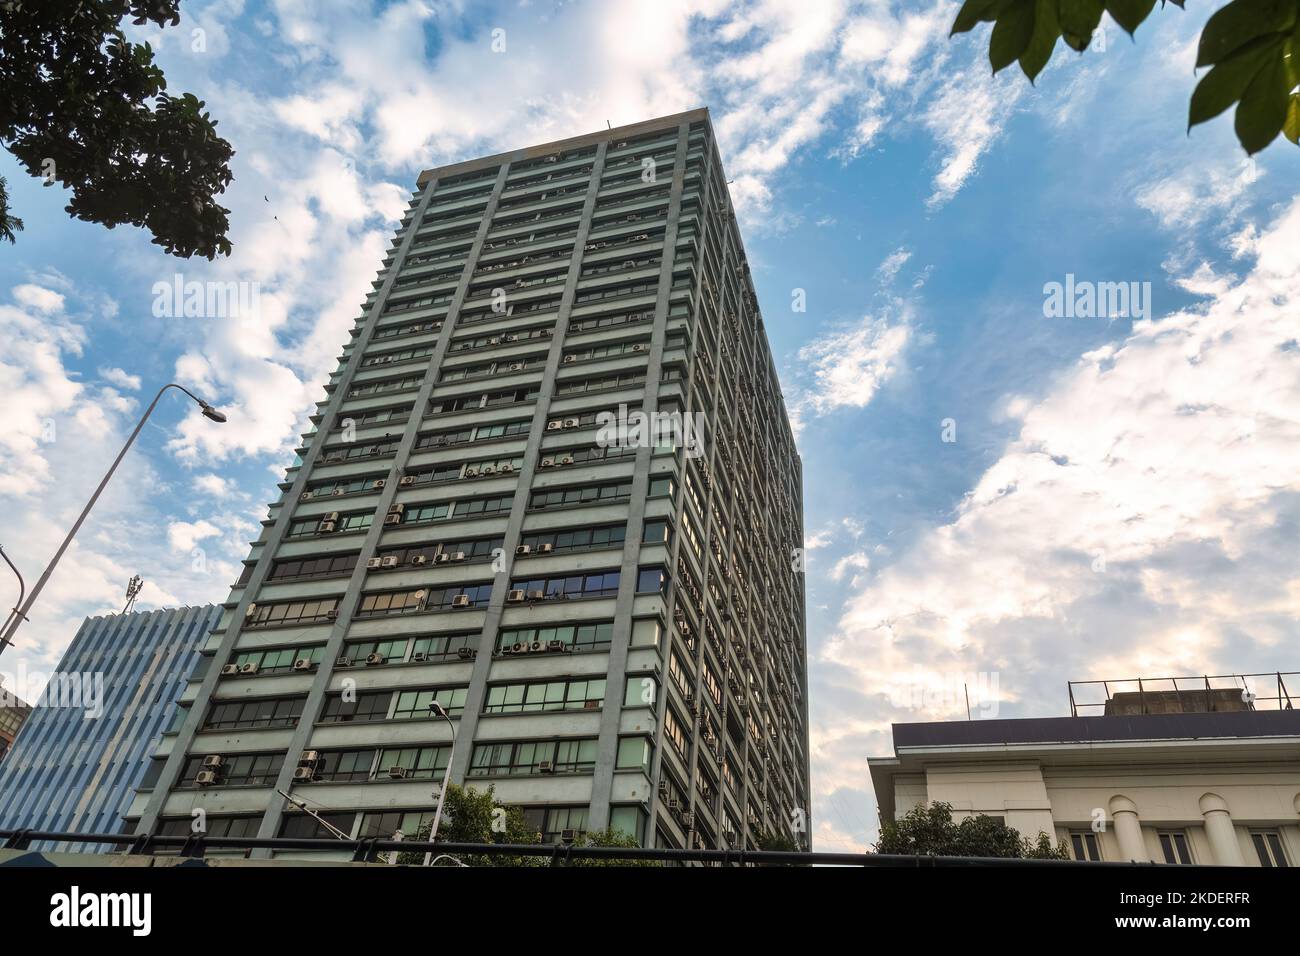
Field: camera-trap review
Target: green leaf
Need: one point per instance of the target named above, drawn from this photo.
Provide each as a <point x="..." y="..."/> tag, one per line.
<point x="1225" y="84"/>
<point x="1079" y="19"/>
<point x="1291" y="128"/>
<point x="974" y="12"/>
<point x="1011" y="33"/>
<point x="1293" y="56"/>
<point x="1240" y="22"/>
<point x="1263" y="107"/>
<point x="1046" y="31"/>
<point x="1129" y="14"/>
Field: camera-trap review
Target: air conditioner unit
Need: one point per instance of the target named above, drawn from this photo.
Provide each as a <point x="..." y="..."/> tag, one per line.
<point x="688" y="820"/>
<point x="325" y="527"/>
<point x="309" y="757"/>
<point x="523" y="549"/>
<point x="374" y="562"/>
<point x="546" y="548"/>
<point x="396" y="509"/>
<point x="458" y="556"/>
<point x="372" y="659"/>
<point x="302" y="664"/>
<point x="536" y="647"/>
<point x="518" y="648"/>
<point x="213" y="761"/>
<point x="554" y="426"/>
<point x="343" y="662"/>
<point x="471" y="472"/>
<point x="674" y="805"/>
<point x="546" y="463"/>
<point x="507" y="468"/>
<point x="229" y="669"/>
<point x="419" y="657"/>
<point x="338" y="491"/>
<point x="392" y="519"/>
<point x="509" y="338"/>
<point x="514" y="597"/>
<point x="460" y="600"/>
<point x="569" y="359"/>
<point x="516" y="366"/>
<point x="441" y="558"/>
<point x="379" y="483"/>
<point x="305" y="496"/>
<point x="249" y="668"/>
<point x="407" y="480"/>
<point x="397" y="773"/>
<point x="465" y="653"/>
<point x="304" y="774"/>
<point x="388" y="561"/>
<point x="629" y="263"/>
<point x="638" y="347"/>
<point x="566" y="460"/>
<point x="546" y="767"/>
<point x="487" y="470"/>
<point x="205" y="778"/>
<point x="419" y="558"/>
<point x="556" y="645"/>
<point x="568" y="836"/>
<point x="571" y="423"/>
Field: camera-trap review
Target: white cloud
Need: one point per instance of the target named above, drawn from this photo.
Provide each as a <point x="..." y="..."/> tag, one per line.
<point x="1149" y="535"/>
<point x="116" y="376"/>
<point x="215" y="486"/>
<point x="888" y="269"/>
<point x="966" y="116"/>
<point x="184" y="535"/>
<point x="849" y="366"/>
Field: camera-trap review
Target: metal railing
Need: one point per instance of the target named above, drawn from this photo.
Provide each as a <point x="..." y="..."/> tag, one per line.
<point x="1205" y="687"/>
<point x="195" y="846"/>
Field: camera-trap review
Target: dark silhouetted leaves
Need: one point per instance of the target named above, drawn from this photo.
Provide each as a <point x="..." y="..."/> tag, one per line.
<point x="1240" y="22"/>
<point x="1079" y="19"/>
<point x="1011" y="33"/>
<point x="1253" y="47"/>
<point x="1225" y="84"/>
<point x="1129" y="14"/>
<point x="1263" y="107"/>
<point x="78" y="93"/>
<point x="1047" y="30"/>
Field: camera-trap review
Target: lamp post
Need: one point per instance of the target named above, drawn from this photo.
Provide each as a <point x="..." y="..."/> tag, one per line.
<point x="20" y="613"/>
<point x="438" y="710"/>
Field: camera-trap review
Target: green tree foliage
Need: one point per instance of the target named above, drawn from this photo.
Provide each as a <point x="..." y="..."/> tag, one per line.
<point x="83" y="106"/>
<point x="929" y="830"/>
<point x="8" y="224"/>
<point x="609" y="837"/>
<point x="1252" y="49"/>
<point x="473" y="816"/>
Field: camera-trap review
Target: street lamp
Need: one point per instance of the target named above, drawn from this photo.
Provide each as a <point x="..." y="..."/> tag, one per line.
<point x="438" y="710"/>
<point x="20" y="613"/>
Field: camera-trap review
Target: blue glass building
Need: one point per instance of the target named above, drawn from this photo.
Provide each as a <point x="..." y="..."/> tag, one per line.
<point x="84" y="749"/>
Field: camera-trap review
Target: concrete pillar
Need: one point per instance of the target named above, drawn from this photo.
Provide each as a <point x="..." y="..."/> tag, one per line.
<point x="1128" y="830"/>
<point x="1220" y="831"/>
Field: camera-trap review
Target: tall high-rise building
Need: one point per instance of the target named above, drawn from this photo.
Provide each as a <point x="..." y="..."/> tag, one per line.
<point x="553" y="489"/>
<point x="87" y="744"/>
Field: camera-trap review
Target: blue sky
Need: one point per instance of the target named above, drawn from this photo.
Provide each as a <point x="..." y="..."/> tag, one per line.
<point x="1122" y="496"/>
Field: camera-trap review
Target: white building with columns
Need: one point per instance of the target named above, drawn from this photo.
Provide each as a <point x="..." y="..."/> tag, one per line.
<point x="1218" y="787"/>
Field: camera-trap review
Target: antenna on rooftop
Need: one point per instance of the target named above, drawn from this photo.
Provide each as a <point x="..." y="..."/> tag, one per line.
<point x="133" y="589"/>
